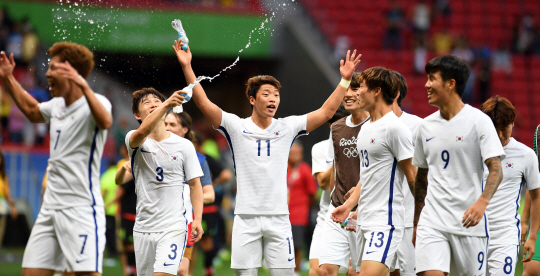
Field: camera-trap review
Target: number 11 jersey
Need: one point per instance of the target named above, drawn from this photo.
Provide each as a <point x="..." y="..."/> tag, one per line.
<point x="260" y="159"/>
<point x="454" y="151"/>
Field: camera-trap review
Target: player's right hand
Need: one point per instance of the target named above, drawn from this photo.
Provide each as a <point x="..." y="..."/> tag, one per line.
<point x="7" y="64"/>
<point x="196" y="231"/>
<point x="528" y="250"/>
<point x="184" y="57"/>
<point x="176" y="99"/>
<point x="127" y="166"/>
<point x="340" y="214"/>
<point x="348" y="66"/>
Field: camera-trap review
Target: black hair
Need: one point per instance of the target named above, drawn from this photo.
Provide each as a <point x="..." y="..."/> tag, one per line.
<point x="450" y="67"/>
<point x="340" y="113"/>
<point x="403" y="89"/>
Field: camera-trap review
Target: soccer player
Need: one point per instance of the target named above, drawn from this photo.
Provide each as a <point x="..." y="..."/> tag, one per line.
<point x="70" y="229"/>
<point x="453" y="143"/>
<point x="260" y="146"/>
<point x="322" y="170"/>
<point x="339" y="244"/>
<point x="160" y="162"/>
<point x="520" y="167"/>
<point x="405" y="252"/>
<point x="384" y="142"/>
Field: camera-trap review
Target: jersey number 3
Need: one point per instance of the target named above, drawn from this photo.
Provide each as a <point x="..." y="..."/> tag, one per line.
<point x="159" y="172"/>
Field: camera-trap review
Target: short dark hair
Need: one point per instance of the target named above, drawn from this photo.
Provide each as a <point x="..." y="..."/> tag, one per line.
<point x="141" y="94"/>
<point x="79" y="56"/>
<point x="185" y="121"/>
<point x="383" y="78"/>
<point x="355" y="82"/>
<point x="501" y="111"/>
<point x="450" y="67"/>
<point x="403" y="88"/>
<point x="340" y="113"/>
<point x="254" y="84"/>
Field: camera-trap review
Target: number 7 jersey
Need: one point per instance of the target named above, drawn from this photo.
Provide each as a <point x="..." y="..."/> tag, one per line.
<point x="260" y="159"/>
<point x="454" y="151"/>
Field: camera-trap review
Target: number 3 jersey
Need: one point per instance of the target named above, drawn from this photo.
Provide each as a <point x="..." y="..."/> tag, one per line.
<point x="159" y="170"/>
<point x="454" y="151"/>
<point x="260" y="161"/>
<point x="381" y="145"/>
<point x="76" y="148"/>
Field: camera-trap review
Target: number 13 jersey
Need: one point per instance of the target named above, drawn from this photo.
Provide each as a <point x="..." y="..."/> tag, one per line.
<point x="260" y="159"/>
<point x="454" y="151"/>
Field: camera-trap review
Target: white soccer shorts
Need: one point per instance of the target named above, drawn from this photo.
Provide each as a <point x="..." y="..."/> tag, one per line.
<point x="405" y="254"/>
<point x="159" y="251"/>
<point x="449" y="253"/>
<point x="338" y="245"/>
<point x="379" y="244"/>
<point x="71" y="239"/>
<point x="502" y="259"/>
<point x="255" y="235"/>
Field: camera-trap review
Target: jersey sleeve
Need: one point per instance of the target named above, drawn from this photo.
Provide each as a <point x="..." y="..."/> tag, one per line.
<point x="297" y="123"/>
<point x="490" y="145"/>
<point x="318" y="158"/>
<point x="399" y="139"/>
<point x="130" y="150"/>
<point x="530" y="173"/>
<point x="229" y="122"/>
<point x="419" y="157"/>
<point x="206" y="179"/>
<point x="106" y="104"/>
<point x="45" y="108"/>
<point x="192" y="168"/>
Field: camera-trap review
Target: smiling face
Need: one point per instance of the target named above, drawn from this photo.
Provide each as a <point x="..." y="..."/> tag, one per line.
<point x="147" y="105"/>
<point x="438" y="90"/>
<point x="173" y="125"/>
<point x="266" y="101"/>
<point x="58" y="85"/>
<point x="350" y="101"/>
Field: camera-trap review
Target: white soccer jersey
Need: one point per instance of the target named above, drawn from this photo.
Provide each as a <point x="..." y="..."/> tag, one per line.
<point x="75" y="153"/>
<point x="412" y="122"/>
<point x="381" y="145"/>
<point x="454" y="151"/>
<point x="519" y="167"/>
<point x="260" y="160"/>
<point x="160" y="170"/>
<point x="321" y="164"/>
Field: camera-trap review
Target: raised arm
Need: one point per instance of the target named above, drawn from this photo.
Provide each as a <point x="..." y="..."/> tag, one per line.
<point x="474" y="214"/>
<point x="327" y="110"/>
<point x="138" y="137"/>
<point x="210" y="110"/>
<point x="100" y="114"/>
<point x="24" y="101"/>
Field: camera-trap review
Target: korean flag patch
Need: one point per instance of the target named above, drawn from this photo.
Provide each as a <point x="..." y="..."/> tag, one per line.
<point x="174" y="157"/>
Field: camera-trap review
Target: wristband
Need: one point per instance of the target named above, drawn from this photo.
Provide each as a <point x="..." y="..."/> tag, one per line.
<point x="345" y="83"/>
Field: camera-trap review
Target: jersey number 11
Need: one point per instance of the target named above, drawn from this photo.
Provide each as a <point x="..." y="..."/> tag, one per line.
<point x="267" y="147"/>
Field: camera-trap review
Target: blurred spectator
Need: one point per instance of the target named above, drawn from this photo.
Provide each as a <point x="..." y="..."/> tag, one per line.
<point x="442" y="42"/>
<point x="30" y="42"/>
<point x="5" y="111"/>
<point x="5" y="199"/>
<point x="108" y="191"/>
<point x="468" y="93"/>
<point x="502" y="59"/>
<point x="6" y="24"/>
<point x="442" y="7"/>
<point x="394" y="21"/>
<point x="120" y="132"/>
<point x="420" y="57"/>
<point x="302" y="188"/>
<point x="16" y="124"/>
<point x="421" y="18"/>
<point x="463" y="51"/>
<point x="14" y="43"/>
<point x="342" y="45"/>
<point x="524" y="35"/>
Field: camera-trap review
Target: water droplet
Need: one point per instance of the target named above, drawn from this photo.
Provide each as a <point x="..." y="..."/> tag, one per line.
<point x="77" y="4"/>
<point x="90" y="21"/>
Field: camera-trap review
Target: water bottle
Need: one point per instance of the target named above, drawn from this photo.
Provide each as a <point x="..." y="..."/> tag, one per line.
<point x="177" y="25"/>
<point x="189" y="90"/>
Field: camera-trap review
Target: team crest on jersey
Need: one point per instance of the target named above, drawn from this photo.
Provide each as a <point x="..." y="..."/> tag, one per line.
<point x="459" y="138"/>
<point x="174" y="158"/>
<point x="510" y="165"/>
<point x="372" y="141"/>
<point x="276" y="133"/>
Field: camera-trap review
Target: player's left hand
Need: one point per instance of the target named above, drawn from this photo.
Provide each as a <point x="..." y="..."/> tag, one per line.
<point x="351" y="217"/>
<point x="524" y="232"/>
<point x="474" y="214"/>
<point x="348" y="66"/>
<point x="349" y="193"/>
<point x="340" y="214"/>
<point x="528" y="250"/>
<point x="184" y="57"/>
<point x="196" y="231"/>
<point x="67" y="71"/>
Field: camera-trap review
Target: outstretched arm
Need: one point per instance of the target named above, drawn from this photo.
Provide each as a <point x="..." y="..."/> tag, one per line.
<point x="138" y="137"/>
<point x="101" y="115"/>
<point x="210" y="110"/>
<point x="24" y="101"/>
<point x="323" y="114"/>
<point x="474" y="214"/>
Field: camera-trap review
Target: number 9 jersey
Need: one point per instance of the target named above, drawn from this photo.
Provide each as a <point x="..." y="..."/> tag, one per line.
<point x="454" y="151"/>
